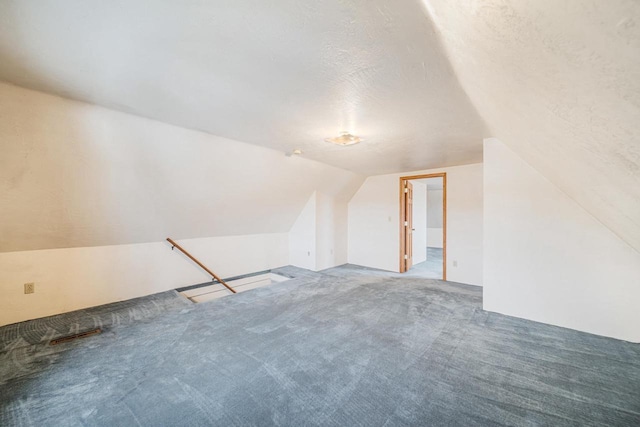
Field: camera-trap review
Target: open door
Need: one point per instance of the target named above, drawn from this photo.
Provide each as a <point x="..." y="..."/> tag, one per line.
<point x="406" y="221"/>
<point x="408" y="225"/>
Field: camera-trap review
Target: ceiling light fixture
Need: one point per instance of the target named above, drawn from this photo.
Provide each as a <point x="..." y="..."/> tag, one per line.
<point x="295" y="151"/>
<point x="345" y="138"/>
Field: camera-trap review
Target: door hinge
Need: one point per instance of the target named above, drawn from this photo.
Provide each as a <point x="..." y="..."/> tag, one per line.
<point x="406" y="223"/>
<point x="406" y="257"/>
<point x="406" y="190"/>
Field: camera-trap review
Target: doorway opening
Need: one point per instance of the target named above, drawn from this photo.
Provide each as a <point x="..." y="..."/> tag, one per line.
<point x="423" y="225"/>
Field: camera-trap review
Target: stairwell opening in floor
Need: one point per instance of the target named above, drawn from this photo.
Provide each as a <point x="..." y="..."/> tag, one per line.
<point x="210" y="291"/>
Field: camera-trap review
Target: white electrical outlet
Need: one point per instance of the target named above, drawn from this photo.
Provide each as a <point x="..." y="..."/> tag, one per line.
<point x="29" y="288"/>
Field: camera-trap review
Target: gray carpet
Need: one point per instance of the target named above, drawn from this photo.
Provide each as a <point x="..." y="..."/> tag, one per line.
<point x="348" y="347"/>
<point x="431" y="268"/>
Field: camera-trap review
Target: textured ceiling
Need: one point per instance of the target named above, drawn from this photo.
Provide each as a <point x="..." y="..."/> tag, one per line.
<point x="77" y="175"/>
<point x="559" y="83"/>
<point x="283" y="74"/>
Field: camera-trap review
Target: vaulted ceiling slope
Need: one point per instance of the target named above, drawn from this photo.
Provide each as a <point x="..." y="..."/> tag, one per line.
<point x="283" y="74"/>
<point x="76" y="175"/>
<point x="422" y="80"/>
<point x="558" y="82"/>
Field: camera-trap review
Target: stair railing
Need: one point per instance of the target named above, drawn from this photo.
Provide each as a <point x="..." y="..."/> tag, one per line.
<point x="192" y="258"/>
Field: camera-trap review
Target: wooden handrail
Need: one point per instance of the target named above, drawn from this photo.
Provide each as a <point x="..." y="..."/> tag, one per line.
<point x="175" y="245"/>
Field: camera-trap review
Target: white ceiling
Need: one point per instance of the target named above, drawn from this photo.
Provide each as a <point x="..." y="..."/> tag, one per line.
<point x="77" y="175"/>
<point x="559" y="83"/>
<point x="283" y="74"/>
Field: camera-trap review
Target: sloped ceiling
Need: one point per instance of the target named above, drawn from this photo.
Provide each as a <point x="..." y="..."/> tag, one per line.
<point x="283" y="74"/>
<point x="76" y="175"/>
<point x="559" y="83"/>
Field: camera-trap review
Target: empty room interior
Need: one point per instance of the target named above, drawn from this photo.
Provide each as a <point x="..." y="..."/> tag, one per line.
<point x="320" y="213"/>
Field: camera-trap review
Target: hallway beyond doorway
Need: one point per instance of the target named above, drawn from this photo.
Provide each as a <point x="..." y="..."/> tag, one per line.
<point x="431" y="268"/>
<point x="415" y="219"/>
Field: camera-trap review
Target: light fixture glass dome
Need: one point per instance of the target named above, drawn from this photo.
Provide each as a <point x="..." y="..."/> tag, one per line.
<point x="345" y="138"/>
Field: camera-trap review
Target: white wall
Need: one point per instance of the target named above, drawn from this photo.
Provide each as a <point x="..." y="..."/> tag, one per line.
<point x="77" y="175"/>
<point x="419" y="222"/>
<point x="549" y="260"/>
<point x="435" y="237"/>
<point x="557" y="82"/>
<point x="340" y="232"/>
<point x="434" y="207"/>
<point x="374" y="222"/>
<point x="302" y="237"/>
<point x="88" y="195"/>
<point x="74" y="278"/>
<point x="318" y="239"/>
<point x="331" y="232"/>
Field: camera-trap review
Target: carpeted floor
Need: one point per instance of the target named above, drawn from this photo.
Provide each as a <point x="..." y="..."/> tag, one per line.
<point x="431" y="268"/>
<point x="347" y="347"/>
